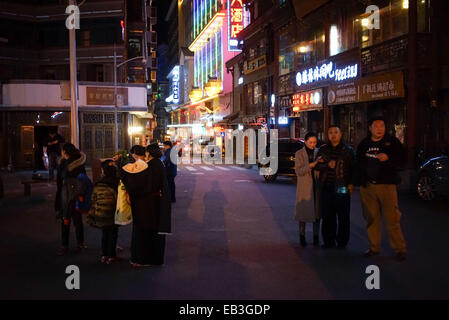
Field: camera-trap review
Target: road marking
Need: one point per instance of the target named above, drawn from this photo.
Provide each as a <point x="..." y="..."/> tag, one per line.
<point x="222" y="168"/>
<point x="198" y="173"/>
<point x="240" y="168"/>
<point x="242" y="180"/>
<point x="190" y="168"/>
<point x="207" y="168"/>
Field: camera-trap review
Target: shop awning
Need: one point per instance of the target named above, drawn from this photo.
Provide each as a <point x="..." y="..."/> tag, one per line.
<point x="232" y="116"/>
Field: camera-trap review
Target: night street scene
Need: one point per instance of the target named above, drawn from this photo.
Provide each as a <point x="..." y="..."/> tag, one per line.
<point x="240" y="153"/>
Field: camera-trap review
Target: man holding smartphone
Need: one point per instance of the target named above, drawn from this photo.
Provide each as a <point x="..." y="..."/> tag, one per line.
<point x="336" y="172"/>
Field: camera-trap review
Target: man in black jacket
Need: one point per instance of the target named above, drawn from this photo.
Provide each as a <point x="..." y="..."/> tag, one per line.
<point x="379" y="156"/>
<point x="336" y="173"/>
<point x="52" y="148"/>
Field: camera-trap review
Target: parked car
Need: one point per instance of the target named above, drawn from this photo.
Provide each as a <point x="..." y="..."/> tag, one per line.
<point x="287" y="148"/>
<point x="433" y="178"/>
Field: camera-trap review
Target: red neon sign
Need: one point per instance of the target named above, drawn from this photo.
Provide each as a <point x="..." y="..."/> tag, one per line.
<point x="306" y="100"/>
<point x="236" y="19"/>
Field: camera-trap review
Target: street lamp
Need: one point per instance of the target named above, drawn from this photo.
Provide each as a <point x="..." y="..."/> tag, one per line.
<point x="116" y="66"/>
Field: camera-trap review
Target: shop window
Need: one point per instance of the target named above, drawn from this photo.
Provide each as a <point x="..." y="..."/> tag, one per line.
<point x="393" y="22"/>
<point x="285" y="55"/>
<point x="87" y="139"/>
<point x="335" y="44"/>
<point x="99" y="138"/>
<point x="108" y="139"/>
<point x="134" y="47"/>
<point x="250" y="94"/>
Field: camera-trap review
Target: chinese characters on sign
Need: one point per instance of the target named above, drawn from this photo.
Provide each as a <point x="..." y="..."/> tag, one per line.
<point x="306" y="101"/>
<point x="372" y="88"/>
<point x="105" y="96"/>
<point x="326" y="71"/>
<point x="236" y="17"/>
<point x="176" y="84"/>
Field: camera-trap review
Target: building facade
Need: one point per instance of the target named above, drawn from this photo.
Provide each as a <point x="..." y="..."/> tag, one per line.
<point x="342" y="62"/>
<point x="208" y="33"/>
<point x="34" y="57"/>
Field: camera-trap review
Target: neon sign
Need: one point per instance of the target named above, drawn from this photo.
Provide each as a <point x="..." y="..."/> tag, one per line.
<point x="237" y="21"/>
<point x="310" y="100"/>
<point x="175" y="84"/>
<point x="327" y="71"/>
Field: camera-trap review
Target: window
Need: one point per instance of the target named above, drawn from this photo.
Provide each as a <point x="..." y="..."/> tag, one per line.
<point x="85" y="38"/>
<point x="393" y="22"/>
<point x="134" y="47"/>
<point x="335" y="45"/>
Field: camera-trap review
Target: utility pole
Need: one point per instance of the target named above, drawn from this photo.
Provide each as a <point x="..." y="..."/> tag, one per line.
<point x="74" y="127"/>
<point x="115" y="102"/>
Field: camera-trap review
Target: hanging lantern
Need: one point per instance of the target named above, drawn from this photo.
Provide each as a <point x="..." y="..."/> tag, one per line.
<point x="213" y="87"/>
<point x="196" y="94"/>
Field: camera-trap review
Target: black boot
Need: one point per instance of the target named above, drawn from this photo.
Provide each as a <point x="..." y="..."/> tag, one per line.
<point x="316" y="241"/>
<point x="302" y="240"/>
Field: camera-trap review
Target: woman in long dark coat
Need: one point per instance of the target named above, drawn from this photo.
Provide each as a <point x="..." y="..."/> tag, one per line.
<point x="70" y="167"/>
<point x="148" y="190"/>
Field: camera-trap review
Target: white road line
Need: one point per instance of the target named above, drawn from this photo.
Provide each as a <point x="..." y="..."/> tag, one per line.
<point x="222" y="168"/>
<point x="190" y="168"/>
<point x="198" y="173"/>
<point x="207" y="168"/>
<point x="239" y="168"/>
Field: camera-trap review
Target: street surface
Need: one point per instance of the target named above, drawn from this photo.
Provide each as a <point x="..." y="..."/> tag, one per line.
<point x="234" y="237"/>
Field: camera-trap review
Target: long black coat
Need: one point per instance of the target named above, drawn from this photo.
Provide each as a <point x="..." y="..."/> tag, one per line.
<point x="162" y="203"/>
<point x="149" y="194"/>
<point x="67" y="169"/>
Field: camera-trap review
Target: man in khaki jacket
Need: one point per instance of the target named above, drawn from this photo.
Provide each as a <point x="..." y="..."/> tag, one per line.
<point x="379" y="157"/>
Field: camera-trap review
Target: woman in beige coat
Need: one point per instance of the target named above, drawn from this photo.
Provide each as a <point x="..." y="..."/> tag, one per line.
<point x="307" y="193"/>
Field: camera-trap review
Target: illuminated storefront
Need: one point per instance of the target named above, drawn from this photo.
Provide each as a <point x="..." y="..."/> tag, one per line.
<point x="216" y="25"/>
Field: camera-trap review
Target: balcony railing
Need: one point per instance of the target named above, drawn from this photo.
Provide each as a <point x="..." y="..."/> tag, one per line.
<point x="393" y="54"/>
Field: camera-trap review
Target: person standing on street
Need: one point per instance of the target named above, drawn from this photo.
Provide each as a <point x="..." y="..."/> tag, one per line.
<point x="171" y="169"/>
<point x="52" y="148"/>
<point x="379" y="157"/>
<point x="69" y="187"/>
<point x="101" y="214"/>
<point x="307" y="193"/>
<point x="336" y="168"/>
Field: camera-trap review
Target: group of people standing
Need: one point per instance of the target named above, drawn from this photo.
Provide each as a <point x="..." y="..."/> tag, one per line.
<point x="326" y="180"/>
<point x="148" y="178"/>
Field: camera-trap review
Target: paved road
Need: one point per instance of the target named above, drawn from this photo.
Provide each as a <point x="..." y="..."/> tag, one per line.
<point x="234" y="238"/>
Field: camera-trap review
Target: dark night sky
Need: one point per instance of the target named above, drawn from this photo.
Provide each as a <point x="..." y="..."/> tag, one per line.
<point x="162" y="26"/>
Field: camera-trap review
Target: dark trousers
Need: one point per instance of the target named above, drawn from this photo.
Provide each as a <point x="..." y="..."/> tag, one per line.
<point x="52" y="164"/>
<point x="172" y="186"/>
<point x="335" y="208"/>
<point x="109" y="241"/>
<point x="79" y="229"/>
<point x="147" y="246"/>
